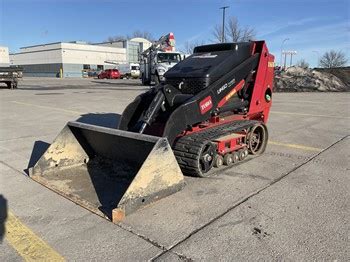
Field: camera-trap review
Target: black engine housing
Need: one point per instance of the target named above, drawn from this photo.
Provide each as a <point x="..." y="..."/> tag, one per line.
<point x="207" y="64"/>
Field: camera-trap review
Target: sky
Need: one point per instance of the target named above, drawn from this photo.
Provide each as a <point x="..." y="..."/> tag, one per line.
<point x="312" y="26"/>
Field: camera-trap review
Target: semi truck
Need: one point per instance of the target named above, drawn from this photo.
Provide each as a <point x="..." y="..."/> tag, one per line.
<point x="158" y="59"/>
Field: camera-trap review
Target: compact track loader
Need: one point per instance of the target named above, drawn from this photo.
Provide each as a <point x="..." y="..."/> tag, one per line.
<point x="210" y="111"/>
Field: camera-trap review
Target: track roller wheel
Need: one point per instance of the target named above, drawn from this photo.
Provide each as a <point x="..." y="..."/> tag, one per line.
<point x="242" y="154"/>
<point x="246" y="151"/>
<point x="257" y="139"/>
<point x="235" y="157"/>
<point x="219" y="161"/>
<point x="228" y="159"/>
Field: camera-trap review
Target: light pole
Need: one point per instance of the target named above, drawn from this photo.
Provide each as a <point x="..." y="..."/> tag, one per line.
<point x="291" y="58"/>
<point x="223" y="23"/>
<point x="286" y="39"/>
<point x="291" y="53"/>
<point x="318" y="57"/>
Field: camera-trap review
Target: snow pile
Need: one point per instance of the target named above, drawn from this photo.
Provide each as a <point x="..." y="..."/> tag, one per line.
<point x="297" y="79"/>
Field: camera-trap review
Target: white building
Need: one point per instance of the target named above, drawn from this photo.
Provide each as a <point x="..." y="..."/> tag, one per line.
<point x="71" y="59"/>
<point x="4" y="56"/>
<point x="133" y="47"/>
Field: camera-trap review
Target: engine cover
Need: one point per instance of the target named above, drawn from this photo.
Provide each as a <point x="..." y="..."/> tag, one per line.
<point x="207" y="64"/>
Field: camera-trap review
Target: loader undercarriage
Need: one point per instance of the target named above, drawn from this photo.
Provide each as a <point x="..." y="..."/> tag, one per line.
<point x="199" y="152"/>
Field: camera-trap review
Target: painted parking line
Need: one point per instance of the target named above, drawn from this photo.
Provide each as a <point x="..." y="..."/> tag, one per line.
<point x="27" y="243"/>
<point x="302" y="114"/>
<point x="48" y="107"/>
<point x="302" y="147"/>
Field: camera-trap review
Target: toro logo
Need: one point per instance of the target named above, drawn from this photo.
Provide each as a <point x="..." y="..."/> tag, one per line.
<point x="205" y="105"/>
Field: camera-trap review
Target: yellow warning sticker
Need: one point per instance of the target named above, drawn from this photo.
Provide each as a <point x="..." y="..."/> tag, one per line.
<point x="229" y="95"/>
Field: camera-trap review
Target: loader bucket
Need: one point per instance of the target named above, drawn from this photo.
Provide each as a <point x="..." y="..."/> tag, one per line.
<point x="108" y="171"/>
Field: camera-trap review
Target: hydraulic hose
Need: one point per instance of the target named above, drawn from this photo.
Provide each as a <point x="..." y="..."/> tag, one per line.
<point x="152" y="111"/>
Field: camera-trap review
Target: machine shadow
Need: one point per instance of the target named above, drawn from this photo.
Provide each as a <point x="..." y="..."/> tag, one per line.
<point x="39" y="149"/>
<point x="110" y="120"/>
<point x="3" y="216"/>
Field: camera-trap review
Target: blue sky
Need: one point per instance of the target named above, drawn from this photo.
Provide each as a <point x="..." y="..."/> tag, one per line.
<point x="311" y="25"/>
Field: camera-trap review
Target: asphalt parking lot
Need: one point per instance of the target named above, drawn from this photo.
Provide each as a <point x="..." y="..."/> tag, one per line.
<point x="291" y="203"/>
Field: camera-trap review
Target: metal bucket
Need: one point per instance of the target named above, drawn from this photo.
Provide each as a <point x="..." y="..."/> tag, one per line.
<point x="108" y="171"/>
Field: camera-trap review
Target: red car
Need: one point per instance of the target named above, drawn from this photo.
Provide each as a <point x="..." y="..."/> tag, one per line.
<point x="109" y="73"/>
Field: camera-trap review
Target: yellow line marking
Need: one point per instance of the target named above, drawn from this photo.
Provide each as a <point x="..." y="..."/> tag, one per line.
<point x="26" y="243"/>
<point x="302" y="147"/>
<point x="302" y="114"/>
<point x="48" y="107"/>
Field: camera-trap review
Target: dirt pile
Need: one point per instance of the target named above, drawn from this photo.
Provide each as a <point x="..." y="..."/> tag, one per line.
<point x="343" y="73"/>
<point x="297" y="79"/>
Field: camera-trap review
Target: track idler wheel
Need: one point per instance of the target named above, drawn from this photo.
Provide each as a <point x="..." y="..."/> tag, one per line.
<point x="206" y="159"/>
<point x="257" y="139"/>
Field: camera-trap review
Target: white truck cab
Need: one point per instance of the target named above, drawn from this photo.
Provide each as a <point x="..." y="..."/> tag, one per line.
<point x="154" y="66"/>
<point x="163" y="62"/>
<point x="158" y="59"/>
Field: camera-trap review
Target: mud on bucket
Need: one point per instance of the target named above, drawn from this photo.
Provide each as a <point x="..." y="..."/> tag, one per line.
<point x="110" y="172"/>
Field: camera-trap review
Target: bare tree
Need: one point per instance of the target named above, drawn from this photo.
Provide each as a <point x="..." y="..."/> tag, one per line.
<point x="144" y="34"/>
<point x="248" y="33"/>
<point x="234" y="32"/>
<point x="238" y="33"/>
<point x="138" y="33"/>
<point x="333" y="59"/>
<point x="116" y="38"/>
<point x="190" y="45"/>
<point x="217" y="33"/>
<point x="302" y="63"/>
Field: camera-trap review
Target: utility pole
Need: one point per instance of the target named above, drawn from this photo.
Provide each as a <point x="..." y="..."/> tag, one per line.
<point x="223" y="40"/>
<point x="286" y="53"/>
<point x="285" y="61"/>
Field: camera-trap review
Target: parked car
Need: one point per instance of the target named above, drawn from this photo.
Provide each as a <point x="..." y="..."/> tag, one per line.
<point x="109" y="73"/>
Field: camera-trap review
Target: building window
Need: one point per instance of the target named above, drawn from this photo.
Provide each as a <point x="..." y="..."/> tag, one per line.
<point x="99" y="67"/>
<point x="86" y="67"/>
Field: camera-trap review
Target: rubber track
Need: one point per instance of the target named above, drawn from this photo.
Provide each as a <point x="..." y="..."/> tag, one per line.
<point x="187" y="149"/>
